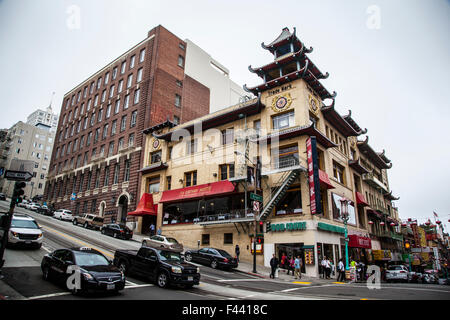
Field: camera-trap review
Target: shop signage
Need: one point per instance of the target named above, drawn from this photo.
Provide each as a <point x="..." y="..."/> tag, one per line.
<point x="330" y="227"/>
<point x="313" y="175"/>
<point x="359" y="242"/>
<point x="309" y="254"/>
<point x="381" y="255"/>
<point x="291" y="226"/>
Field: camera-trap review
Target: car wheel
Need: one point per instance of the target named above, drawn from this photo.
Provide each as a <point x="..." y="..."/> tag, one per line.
<point x="115" y="235"/>
<point x="86" y="225"/>
<point x="144" y="243"/>
<point x="214" y="264"/>
<point x="188" y="257"/>
<point x="74" y="222"/>
<point x="123" y="267"/>
<point x="46" y="273"/>
<point x="162" y="280"/>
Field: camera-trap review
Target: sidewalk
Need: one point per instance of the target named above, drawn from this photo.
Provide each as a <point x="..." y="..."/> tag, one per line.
<point x="8" y="293"/>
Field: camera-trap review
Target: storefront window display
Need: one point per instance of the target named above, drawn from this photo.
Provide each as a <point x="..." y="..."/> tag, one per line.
<point x="291" y="250"/>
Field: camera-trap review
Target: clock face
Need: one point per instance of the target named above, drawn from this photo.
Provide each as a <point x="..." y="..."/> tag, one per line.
<point x="281" y="102"/>
<point x="155" y="144"/>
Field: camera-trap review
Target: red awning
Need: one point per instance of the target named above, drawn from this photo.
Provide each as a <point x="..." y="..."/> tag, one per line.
<point x="145" y="207"/>
<point x="356" y="241"/>
<point x="204" y="190"/>
<point x="360" y="199"/>
<point x="324" y="180"/>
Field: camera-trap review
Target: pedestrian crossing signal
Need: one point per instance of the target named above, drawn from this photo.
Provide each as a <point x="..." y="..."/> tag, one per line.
<point x="18" y="191"/>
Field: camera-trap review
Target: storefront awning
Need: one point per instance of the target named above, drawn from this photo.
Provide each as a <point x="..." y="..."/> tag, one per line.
<point x="356" y="241"/>
<point x="324" y="180"/>
<point x="360" y="199"/>
<point x="194" y="192"/>
<point x="330" y="227"/>
<point x="145" y="207"/>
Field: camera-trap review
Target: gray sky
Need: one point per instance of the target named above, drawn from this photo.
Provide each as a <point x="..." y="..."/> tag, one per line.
<point x="388" y="61"/>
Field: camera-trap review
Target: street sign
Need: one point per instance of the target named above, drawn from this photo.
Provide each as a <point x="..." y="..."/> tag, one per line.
<point x="18" y="175"/>
<point x="256" y="197"/>
<point x="73" y="196"/>
<point x="256" y="206"/>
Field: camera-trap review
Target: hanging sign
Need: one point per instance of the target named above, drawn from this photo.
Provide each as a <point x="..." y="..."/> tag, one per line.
<point x="313" y="176"/>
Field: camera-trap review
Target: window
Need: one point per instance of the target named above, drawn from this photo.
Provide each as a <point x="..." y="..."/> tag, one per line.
<point x="169" y="182"/>
<point x="338" y="172"/>
<point x="153" y="184"/>
<point x="123" y="67"/>
<point x="111" y="91"/>
<point x="139" y="75"/>
<point x="133" y="119"/>
<point x="97" y="178"/>
<point x="205" y="239"/>
<point x="120" y="144"/>
<point x="142" y="56"/>
<point x="227" y="238"/>
<point x="127" y="170"/>
<point x="116" y="173"/>
<point x="226" y="171"/>
<point x="105" y="131"/>
<point x="123" y="123"/>
<point x="99" y="83"/>
<point x="181" y="61"/>
<point x="176" y="120"/>
<point x="114" y="73"/>
<point x="117" y="106"/>
<point x="129" y="80"/>
<point x="177" y="100"/>
<point x="104" y="95"/>
<point x="96" y="100"/>
<point x="191" y="146"/>
<point x="108" y="111"/>
<point x="111" y="149"/>
<point x="106" y="78"/>
<point x="136" y="96"/>
<point x="285" y="120"/>
<point x="89" y="137"/>
<point x="106" y="180"/>
<point x="91" y="89"/>
<point x="131" y="140"/>
<point x="286" y="157"/>
<point x="155" y="157"/>
<point x="100" y="115"/>
<point x="227" y="136"/>
<point x="126" y="102"/>
<point x="179" y="83"/>
<point x="133" y="58"/>
<point x="190" y="179"/>
<point x="182" y="47"/>
<point x="113" y="127"/>
<point x="89" y="105"/>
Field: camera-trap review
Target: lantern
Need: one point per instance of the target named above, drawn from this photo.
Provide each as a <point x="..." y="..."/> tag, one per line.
<point x="381" y="223"/>
<point x="392" y="224"/>
<point x="371" y="222"/>
<point x="438" y="222"/>
<point x="404" y="224"/>
<point x="409" y="219"/>
<point x="428" y="223"/>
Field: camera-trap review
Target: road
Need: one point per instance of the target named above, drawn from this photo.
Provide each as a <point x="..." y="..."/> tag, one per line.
<point x="22" y="272"/>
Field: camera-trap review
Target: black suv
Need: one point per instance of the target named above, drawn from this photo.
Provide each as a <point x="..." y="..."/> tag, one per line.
<point x="165" y="266"/>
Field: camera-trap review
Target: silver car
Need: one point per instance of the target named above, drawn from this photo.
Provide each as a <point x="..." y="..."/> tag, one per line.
<point x="160" y="241"/>
<point x="397" y="273"/>
<point x="25" y="230"/>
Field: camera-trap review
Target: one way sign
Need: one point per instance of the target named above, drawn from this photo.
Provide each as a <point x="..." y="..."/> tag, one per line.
<point x="18" y="175"/>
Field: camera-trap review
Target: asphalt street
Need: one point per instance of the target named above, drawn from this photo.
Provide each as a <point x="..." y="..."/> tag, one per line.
<point x="22" y="273"/>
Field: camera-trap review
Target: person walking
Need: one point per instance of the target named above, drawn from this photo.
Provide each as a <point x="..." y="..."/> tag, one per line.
<point x="297" y="266"/>
<point x="341" y="271"/>
<point x="291" y="262"/>
<point x="237" y="251"/>
<point x="283" y="261"/>
<point x="159" y="231"/>
<point x="152" y="229"/>
<point x="273" y="266"/>
<point x="327" y="268"/>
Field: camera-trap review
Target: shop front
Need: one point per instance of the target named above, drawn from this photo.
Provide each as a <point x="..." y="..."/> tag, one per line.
<point x="359" y="248"/>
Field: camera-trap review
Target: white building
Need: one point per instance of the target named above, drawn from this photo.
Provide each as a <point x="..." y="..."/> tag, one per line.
<point x="46" y="117"/>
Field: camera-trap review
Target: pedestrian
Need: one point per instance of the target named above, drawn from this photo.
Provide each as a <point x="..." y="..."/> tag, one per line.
<point x="152" y="229"/>
<point x="332" y="268"/>
<point x="283" y="261"/>
<point x="341" y="271"/>
<point x="159" y="231"/>
<point x="273" y="266"/>
<point x="291" y="262"/>
<point x="327" y="268"/>
<point x="297" y="266"/>
<point x="237" y="250"/>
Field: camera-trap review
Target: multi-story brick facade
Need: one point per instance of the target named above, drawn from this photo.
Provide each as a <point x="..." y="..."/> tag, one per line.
<point x="98" y="148"/>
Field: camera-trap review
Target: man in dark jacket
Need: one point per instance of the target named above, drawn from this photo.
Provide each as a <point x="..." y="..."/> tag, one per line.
<point x="273" y="265"/>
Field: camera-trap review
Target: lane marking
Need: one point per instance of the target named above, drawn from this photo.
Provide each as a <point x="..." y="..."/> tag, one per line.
<point x="140" y="286"/>
<point x="50" y="295"/>
<point x="46" y="249"/>
<point x="300" y="282"/>
<point x="243" y="280"/>
<point x="82" y="243"/>
<point x="339" y="282"/>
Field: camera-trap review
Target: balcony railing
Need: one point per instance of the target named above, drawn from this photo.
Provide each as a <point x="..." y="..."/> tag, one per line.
<point x="373" y="181"/>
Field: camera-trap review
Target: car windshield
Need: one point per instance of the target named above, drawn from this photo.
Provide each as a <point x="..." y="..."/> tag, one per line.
<point x="172" y="240"/>
<point x="90" y="259"/>
<point x="224" y="253"/>
<point x="67" y="212"/>
<point x="395" y="268"/>
<point x="27" y="224"/>
<point x="169" y="256"/>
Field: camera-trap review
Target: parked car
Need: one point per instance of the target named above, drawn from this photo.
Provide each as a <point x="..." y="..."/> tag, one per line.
<point x="23" y="204"/>
<point x="415" y="277"/>
<point x="89" y="221"/>
<point x="97" y="272"/>
<point x="117" y="231"/>
<point x="160" y="241"/>
<point x="29" y="204"/>
<point x="164" y="266"/>
<point x="35" y="207"/>
<point x="63" y="214"/>
<point x="397" y="273"/>
<point x="2" y="196"/>
<point x="24" y="230"/>
<point x="212" y="257"/>
<point x="45" y="211"/>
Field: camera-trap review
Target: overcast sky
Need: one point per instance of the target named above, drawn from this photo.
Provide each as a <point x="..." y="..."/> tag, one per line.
<point x="388" y="61"/>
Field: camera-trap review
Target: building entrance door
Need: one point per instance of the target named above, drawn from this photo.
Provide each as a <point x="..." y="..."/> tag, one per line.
<point x="123" y="210"/>
<point x="291" y="250"/>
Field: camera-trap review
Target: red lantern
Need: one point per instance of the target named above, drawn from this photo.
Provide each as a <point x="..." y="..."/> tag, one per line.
<point x="370" y="222"/>
<point x="381" y="223"/>
<point x="404" y="224"/>
<point x="428" y="223"/>
<point x="392" y="224"/>
<point x="438" y="222"/>
<point x="409" y="219"/>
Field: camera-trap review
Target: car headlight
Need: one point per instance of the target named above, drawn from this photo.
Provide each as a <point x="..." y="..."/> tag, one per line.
<point x="176" y="269"/>
<point x="87" y="276"/>
<point x="198" y="270"/>
<point x="15" y="234"/>
<point x="40" y="235"/>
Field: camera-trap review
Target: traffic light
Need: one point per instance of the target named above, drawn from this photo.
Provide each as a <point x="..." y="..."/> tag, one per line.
<point x="268" y="226"/>
<point x="407" y="245"/>
<point x="18" y="192"/>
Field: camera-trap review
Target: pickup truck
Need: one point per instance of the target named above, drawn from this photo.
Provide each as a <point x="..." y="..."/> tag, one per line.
<point x="88" y="221"/>
<point x="165" y="266"/>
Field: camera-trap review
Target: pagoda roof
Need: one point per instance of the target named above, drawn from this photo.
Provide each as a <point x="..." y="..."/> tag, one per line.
<point x="285" y="37"/>
<point x="375" y="157"/>
<point x="353" y="123"/>
<point x="333" y="117"/>
<point x="309" y="130"/>
<point x="216" y="119"/>
<point x="357" y="166"/>
<point x="390" y="196"/>
<point x="305" y="73"/>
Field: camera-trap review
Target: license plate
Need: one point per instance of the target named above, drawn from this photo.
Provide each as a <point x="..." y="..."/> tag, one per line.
<point x="110" y="286"/>
<point x="190" y="278"/>
<point x="27" y="242"/>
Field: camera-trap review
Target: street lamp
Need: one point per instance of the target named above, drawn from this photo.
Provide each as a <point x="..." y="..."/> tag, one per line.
<point x="345" y="217"/>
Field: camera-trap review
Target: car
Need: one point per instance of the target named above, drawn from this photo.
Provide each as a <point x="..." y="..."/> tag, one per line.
<point x="24" y="230"/>
<point x="35" y="206"/>
<point x="117" y="231"/>
<point x="88" y="220"/>
<point x="63" y="214"/>
<point x="46" y="211"/>
<point x="29" y="205"/>
<point x="23" y="204"/>
<point x="97" y="273"/>
<point x="2" y="196"/>
<point x="160" y="241"/>
<point x="397" y="273"/>
<point x="164" y="266"/>
<point x="212" y="257"/>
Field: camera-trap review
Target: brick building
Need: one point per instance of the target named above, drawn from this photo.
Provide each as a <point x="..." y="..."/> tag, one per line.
<point x="98" y="149"/>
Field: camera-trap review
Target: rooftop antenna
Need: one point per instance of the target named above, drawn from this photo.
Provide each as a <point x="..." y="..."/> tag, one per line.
<point x="51" y="100"/>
